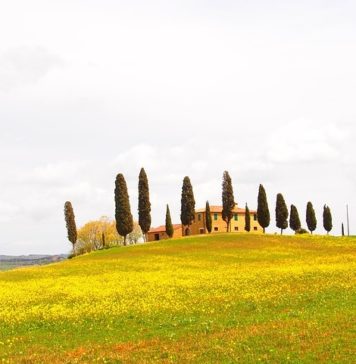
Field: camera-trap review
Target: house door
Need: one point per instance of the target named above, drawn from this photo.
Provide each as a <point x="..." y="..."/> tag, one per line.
<point x="156" y="236"/>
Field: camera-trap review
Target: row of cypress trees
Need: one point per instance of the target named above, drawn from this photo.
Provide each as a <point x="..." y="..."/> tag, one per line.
<point x="123" y="215"/>
<point x="282" y="214"/>
<point x="263" y="214"/>
<point x="124" y="218"/>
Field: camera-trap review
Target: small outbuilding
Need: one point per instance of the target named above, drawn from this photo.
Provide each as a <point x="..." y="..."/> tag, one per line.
<point x="159" y="233"/>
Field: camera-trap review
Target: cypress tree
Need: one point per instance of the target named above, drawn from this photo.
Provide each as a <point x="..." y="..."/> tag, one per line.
<point x="187" y="205"/>
<point x="208" y="222"/>
<point x="144" y="204"/>
<point x="310" y="217"/>
<point x="247" y="219"/>
<point x="263" y="215"/>
<point x="294" y="220"/>
<point x="327" y="219"/>
<point x="227" y="199"/>
<point x="342" y="229"/>
<point x="70" y="223"/>
<point x="123" y="217"/>
<point x="169" y="225"/>
<point x="281" y="213"/>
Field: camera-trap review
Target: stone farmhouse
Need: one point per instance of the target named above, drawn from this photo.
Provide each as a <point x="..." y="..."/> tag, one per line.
<point x="237" y="224"/>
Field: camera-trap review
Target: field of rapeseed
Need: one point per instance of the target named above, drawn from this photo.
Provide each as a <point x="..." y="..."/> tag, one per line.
<point x="209" y="299"/>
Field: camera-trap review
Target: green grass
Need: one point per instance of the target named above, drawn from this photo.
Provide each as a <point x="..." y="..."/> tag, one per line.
<point x="223" y="298"/>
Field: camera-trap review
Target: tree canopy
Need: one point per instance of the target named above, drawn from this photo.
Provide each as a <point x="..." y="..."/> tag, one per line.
<point x="311" y="218"/>
<point x="123" y="216"/>
<point x="247" y="219"/>
<point x="70" y="223"/>
<point x="144" y="204"/>
<point x="169" y="225"/>
<point x="187" y="215"/>
<point x="281" y="213"/>
<point x="208" y="221"/>
<point x="294" y="220"/>
<point x="263" y="215"/>
<point x="327" y="219"/>
<point x="92" y="233"/>
<point x="228" y="202"/>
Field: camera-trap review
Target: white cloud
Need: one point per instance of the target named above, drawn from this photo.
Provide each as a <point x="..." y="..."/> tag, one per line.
<point x="304" y="141"/>
<point x="54" y="174"/>
<point x="26" y="65"/>
<point x="8" y="211"/>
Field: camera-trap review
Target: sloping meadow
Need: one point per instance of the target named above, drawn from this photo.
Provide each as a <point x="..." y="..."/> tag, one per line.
<point x="206" y="299"/>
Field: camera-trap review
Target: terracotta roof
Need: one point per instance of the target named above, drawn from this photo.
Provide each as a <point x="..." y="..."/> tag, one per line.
<point x="218" y="209"/>
<point x="162" y="228"/>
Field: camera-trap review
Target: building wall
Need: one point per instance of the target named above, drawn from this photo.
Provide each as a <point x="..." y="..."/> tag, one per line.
<point x="237" y="223"/>
<point x="152" y="236"/>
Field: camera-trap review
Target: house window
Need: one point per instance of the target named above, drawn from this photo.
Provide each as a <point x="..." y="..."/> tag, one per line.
<point x="215" y="216"/>
<point x="216" y="228"/>
<point x="236" y="228"/>
<point x="235" y="217"/>
<point x="255" y="217"/>
<point x="255" y="228"/>
<point x="199" y="217"/>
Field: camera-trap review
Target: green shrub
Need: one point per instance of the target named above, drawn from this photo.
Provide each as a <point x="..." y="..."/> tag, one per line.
<point x="302" y="231"/>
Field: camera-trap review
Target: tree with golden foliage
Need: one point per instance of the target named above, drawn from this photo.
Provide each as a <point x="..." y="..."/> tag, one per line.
<point x="97" y="233"/>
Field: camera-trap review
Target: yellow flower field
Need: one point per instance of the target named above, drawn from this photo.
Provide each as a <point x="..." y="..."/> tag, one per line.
<point x="221" y="298"/>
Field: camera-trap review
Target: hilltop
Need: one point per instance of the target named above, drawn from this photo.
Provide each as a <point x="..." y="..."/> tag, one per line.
<point x="204" y="299"/>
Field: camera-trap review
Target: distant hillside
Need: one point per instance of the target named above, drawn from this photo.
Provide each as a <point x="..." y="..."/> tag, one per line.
<point x="11" y="261"/>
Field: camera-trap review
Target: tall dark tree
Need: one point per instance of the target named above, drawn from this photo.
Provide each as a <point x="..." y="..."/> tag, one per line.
<point x="327" y="219"/>
<point x="169" y="225"/>
<point x="263" y="215"/>
<point x="228" y="202"/>
<point x="342" y="229"/>
<point x="103" y="240"/>
<point x="70" y="223"/>
<point x="123" y="216"/>
<point x="247" y="219"/>
<point x="281" y="213"/>
<point x="311" y="218"/>
<point x="294" y="220"/>
<point x="144" y="204"/>
<point x="208" y="222"/>
<point x="187" y="214"/>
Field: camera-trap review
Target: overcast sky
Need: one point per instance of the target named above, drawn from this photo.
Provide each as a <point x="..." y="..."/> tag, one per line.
<point x="89" y="88"/>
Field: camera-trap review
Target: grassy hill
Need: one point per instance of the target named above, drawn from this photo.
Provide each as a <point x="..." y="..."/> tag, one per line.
<point x="209" y="299"/>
